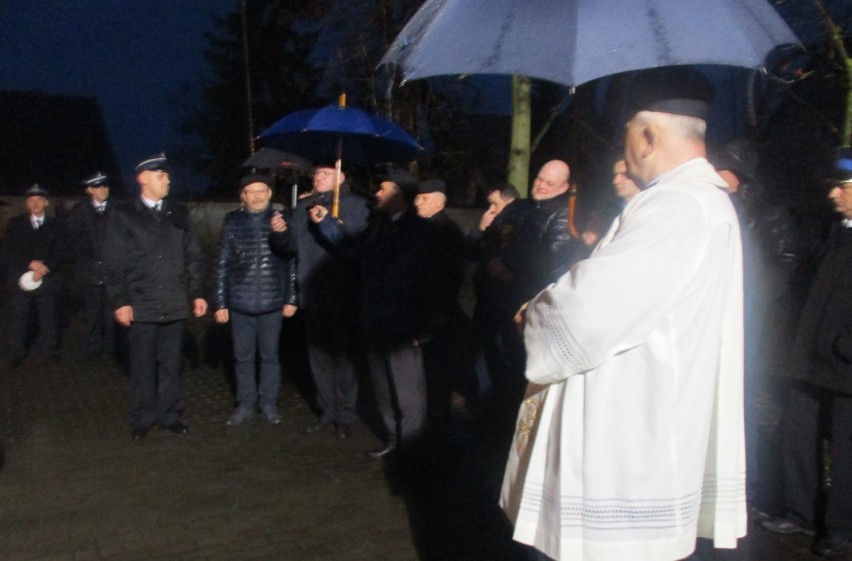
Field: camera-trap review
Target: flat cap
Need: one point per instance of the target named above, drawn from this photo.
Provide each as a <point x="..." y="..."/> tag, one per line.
<point x="36" y="190"/>
<point x="678" y="90"/>
<point x="841" y="169"/>
<point x="256" y="178"/>
<point x="432" y="186"/>
<point x="157" y="162"/>
<point x="97" y="180"/>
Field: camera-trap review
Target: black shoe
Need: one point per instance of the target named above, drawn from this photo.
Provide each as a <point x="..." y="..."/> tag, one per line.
<point x="785" y="526"/>
<point x="382" y="452"/>
<point x="832" y="546"/>
<point x="138" y="434"/>
<point x="178" y="428"/>
<point x="316" y="427"/>
<point x="343" y="433"/>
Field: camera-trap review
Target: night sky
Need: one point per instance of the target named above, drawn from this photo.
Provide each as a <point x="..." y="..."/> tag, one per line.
<point x="143" y="59"/>
<point x="136" y="57"/>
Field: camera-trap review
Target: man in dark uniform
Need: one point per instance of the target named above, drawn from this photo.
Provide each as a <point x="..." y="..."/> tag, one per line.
<point x="396" y="303"/>
<point x="448" y="357"/>
<point x="153" y="263"/>
<point x="33" y="250"/>
<point x="87" y="233"/>
<point x="820" y="403"/>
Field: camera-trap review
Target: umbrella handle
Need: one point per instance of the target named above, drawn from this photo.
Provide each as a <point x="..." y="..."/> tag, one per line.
<point x="335" y="201"/>
<point x="572" y="207"/>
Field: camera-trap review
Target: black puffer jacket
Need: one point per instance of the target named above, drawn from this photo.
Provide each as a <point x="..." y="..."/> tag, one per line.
<point x="538" y="247"/>
<point x="153" y="261"/>
<point x="250" y="278"/>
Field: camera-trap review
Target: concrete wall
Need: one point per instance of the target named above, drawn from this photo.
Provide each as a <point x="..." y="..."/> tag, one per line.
<point x="207" y="216"/>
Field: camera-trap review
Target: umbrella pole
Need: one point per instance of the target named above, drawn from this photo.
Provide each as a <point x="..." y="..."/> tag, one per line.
<point x="294" y="196"/>
<point x="335" y="204"/>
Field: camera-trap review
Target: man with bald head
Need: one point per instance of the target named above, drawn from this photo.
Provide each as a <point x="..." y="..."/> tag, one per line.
<point x="537" y="249"/>
<point x="629" y="443"/>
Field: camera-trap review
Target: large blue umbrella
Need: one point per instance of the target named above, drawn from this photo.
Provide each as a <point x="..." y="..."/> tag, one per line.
<point x="575" y="41"/>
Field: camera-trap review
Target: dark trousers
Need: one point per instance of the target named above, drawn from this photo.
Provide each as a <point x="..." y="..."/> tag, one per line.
<point x="400" y="385"/>
<point x="98" y="316"/>
<point x="448" y="361"/>
<point x="812" y="414"/>
<point x="155" y="367"/>
<point x="256" y="334"/>
<point x="329" y="336"/>
<point x="21" y="305"/>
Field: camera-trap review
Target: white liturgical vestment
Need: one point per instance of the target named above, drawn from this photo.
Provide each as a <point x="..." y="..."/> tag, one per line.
<point x="630" y="440"/>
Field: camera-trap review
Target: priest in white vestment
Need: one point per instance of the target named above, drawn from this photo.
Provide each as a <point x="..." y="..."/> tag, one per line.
<point x="629" y="443"/>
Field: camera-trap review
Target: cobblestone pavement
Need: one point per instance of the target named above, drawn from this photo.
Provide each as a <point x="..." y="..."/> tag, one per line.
<point x="74" y="486"/>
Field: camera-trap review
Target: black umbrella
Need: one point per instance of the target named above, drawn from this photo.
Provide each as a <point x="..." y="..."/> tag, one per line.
<point x="271" y="159"/>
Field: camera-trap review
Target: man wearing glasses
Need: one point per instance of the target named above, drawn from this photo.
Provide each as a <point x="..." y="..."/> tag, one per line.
<point x="325" y="294"/>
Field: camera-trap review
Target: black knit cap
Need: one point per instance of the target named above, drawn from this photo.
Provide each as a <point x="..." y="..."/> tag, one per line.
<point x="402" y="179"/>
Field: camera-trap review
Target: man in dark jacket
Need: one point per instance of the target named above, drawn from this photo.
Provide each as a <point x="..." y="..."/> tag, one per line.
<point x="820" y="404"/>
<point x="33" y="246"/>
<point x="254" y="289"/>
<point x="397" y="311"/>
<point x="153" y="263"/>
<point x="325" y="282"/>
<point x="448" y="357"/>
<point x="537" y="248"/>
<point x="87" y="234"/>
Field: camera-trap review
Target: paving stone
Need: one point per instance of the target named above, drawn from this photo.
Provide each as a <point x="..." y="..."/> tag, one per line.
<point x="75" y="488"/>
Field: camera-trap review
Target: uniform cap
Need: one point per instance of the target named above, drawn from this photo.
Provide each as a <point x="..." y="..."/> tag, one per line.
<point x="153" y="163"/>
<point x="97" y="180"/>
<point x="36" y="190"/>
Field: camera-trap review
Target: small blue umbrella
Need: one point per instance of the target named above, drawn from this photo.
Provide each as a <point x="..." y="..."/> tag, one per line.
<point x="571" y="42"/>
<point x="335" y="131"/>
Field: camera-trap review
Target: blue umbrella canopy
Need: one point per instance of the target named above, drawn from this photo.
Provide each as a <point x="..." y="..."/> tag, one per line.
<point x="571" y="42"/>
<point x="333" y="132"/>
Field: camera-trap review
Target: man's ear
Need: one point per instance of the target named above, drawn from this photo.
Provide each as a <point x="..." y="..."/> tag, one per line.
<point x="650" y="135"/>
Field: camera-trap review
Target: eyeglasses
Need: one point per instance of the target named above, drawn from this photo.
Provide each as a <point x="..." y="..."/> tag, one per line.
<point x="257" y="192"/>
<point x="323" y="173"/>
